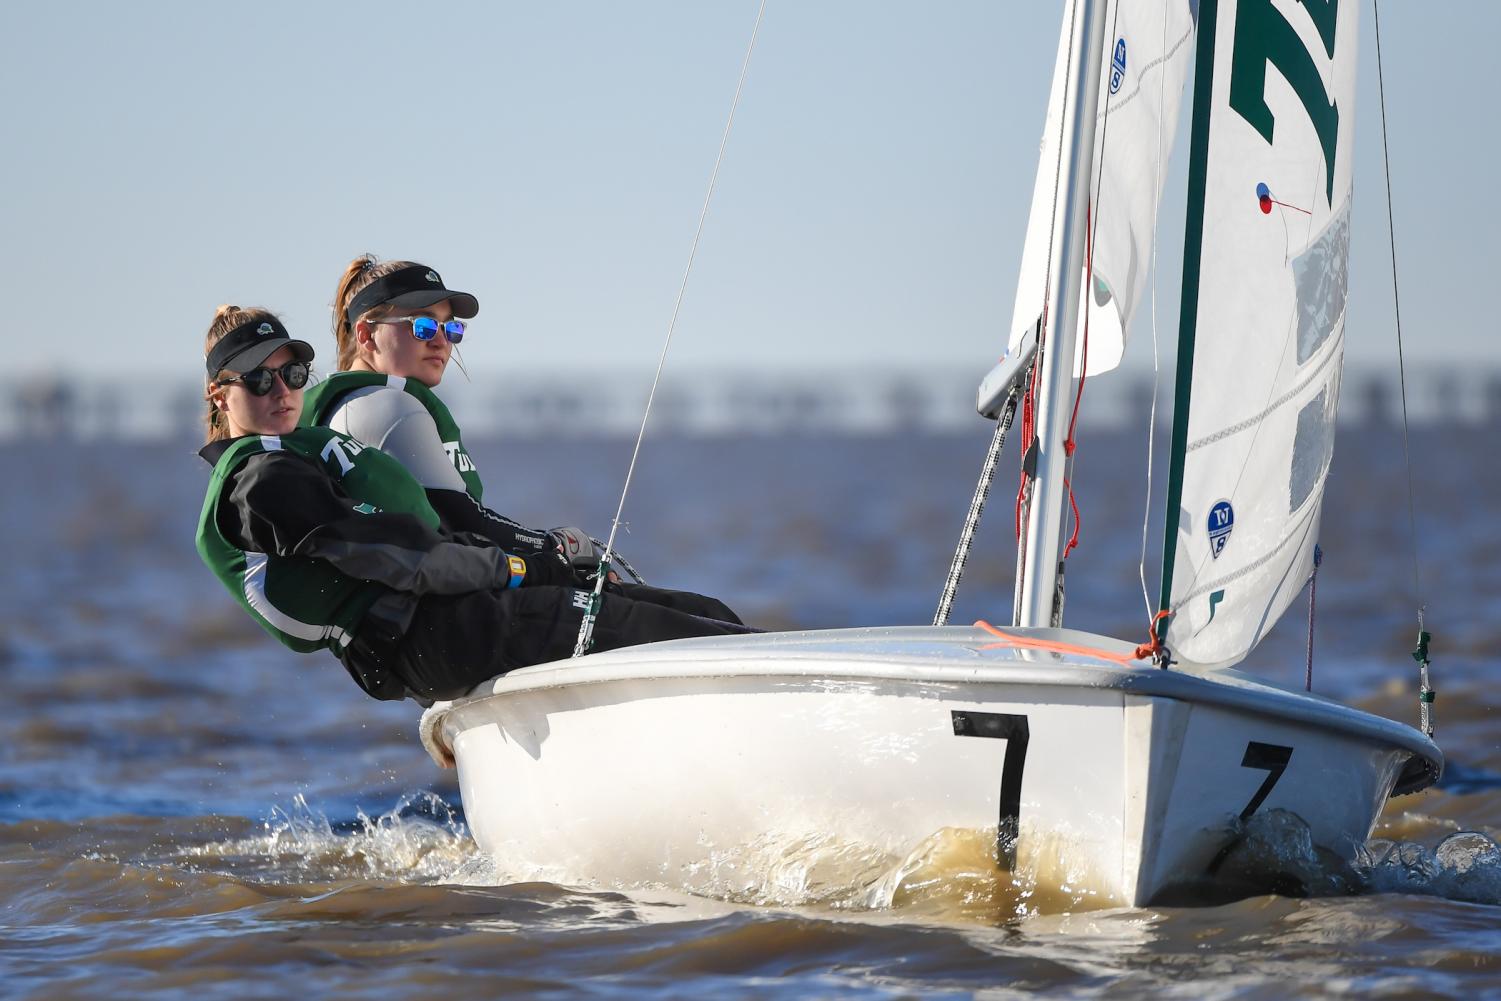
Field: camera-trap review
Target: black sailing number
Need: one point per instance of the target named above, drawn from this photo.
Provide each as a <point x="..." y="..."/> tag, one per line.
<point x="1013" y="729"/>
<point x="1273" y="758"/>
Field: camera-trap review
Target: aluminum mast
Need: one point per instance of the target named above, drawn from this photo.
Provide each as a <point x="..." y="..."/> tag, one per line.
<point x="1035" y="599"/>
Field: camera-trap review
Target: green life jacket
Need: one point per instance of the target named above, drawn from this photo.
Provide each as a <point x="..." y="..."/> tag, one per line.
<point x="319" y="402"/>
<point x="306" y="602"/>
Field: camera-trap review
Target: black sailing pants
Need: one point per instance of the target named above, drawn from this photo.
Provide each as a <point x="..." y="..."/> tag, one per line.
<point x="683" y="601"/>
<point x="455" y="642"/>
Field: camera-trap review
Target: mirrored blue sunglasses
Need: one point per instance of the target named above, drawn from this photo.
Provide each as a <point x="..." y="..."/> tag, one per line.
<point x="425" y="328"/>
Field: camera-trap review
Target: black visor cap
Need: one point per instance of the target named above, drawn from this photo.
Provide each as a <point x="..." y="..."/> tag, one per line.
<point x="416" y="287"/>
<point x="248" y="345"/>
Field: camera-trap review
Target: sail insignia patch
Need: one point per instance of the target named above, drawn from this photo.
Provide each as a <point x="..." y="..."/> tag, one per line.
<point x="1118" y="65"/>
<point x="1221" y="524"/>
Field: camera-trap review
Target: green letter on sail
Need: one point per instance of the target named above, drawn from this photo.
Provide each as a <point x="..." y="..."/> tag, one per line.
<point x="1262" y="36"/>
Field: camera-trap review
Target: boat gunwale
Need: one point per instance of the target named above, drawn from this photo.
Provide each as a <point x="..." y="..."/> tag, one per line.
<point x="713" y="658"/>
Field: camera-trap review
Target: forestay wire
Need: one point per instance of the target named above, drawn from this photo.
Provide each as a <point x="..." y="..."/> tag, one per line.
<point x="1420" y="654"/>
<point x="1146" y="513"/>
<point x="586" y="627"/>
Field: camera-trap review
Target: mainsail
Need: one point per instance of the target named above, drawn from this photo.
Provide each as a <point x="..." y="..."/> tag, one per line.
<point x="1262" y="326"/>
<point x="1149" y="52"/>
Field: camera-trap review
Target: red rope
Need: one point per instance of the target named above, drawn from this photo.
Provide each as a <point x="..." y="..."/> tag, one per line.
<point x="1153" y="648"/>
<point x="1070" y="443"/>
<point x="1073" y="540"/>
<point x="1029" y="419"/>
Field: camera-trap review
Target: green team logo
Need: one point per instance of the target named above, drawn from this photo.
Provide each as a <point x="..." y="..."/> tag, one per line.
<point x="343" y="451"/>
<point x="1264" y="37"/>
<point x="459" y="457"/>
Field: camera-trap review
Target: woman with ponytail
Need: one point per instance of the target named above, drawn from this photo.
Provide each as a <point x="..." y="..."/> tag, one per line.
<point x="329" y="544"/>
<point x="396" y="324"/>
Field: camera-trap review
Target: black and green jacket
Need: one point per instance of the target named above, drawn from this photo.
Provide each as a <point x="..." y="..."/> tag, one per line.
<point x="460" y="511"/>
<point x="308" y="530"/>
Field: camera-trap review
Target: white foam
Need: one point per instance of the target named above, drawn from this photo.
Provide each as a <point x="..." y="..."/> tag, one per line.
<point x="419" y="840"/>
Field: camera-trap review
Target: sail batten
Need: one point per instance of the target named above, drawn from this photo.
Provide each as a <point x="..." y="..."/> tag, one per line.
<point x="1263" y="315"/>
<point x="1250" y="422"/>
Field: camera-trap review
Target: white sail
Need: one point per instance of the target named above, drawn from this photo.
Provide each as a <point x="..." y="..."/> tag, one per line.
<point x="1270" y="178"/>
<point x="1148" y="52"/>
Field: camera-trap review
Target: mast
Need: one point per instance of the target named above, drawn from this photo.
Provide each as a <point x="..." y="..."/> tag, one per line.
<point x="1038" y="583"/>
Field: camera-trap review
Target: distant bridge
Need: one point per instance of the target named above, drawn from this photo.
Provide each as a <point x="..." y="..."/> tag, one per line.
<point x="848" y="401"/>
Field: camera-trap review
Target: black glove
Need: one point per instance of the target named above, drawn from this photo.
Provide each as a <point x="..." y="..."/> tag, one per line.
<point x="585" y="552"/>
<point x="548" y="569"/>
<point x="577" y="547"/>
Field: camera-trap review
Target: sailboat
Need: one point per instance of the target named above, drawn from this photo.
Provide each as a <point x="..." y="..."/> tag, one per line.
<point x="1129" y="767"/>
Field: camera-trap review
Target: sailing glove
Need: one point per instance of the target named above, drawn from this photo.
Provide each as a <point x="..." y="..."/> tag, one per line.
<point x="577" y="547"/>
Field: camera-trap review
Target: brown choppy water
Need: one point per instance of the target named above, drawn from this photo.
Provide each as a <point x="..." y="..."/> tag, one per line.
<point x="188" y="810"/>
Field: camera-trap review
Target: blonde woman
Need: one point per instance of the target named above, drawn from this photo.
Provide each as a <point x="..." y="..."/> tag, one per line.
<point x="329" y="544"/>
<point x="396" y="324"/>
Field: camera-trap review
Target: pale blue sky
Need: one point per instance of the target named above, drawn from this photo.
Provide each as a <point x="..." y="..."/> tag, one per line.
<point x="163" y="158"/>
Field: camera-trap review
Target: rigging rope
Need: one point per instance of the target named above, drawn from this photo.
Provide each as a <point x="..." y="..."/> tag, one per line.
<point x="1091" y="226"/>
<point x="1425" y="693"/>
<point x="1313" y="594"/>
<point x="1091" y="229"/>
<point x="1070" y="441"/>
<point x="1029" y="432"/>
<point x="621" y="561"/>
<point x="1146" y="515"/>
<point x="1029" y="435"/>
<point x="1151" y="650"/>
<point x="976" y="508"/>
<point x="591" y="613"/>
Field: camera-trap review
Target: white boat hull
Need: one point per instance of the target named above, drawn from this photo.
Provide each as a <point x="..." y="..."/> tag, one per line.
<point x="642" y="765"/>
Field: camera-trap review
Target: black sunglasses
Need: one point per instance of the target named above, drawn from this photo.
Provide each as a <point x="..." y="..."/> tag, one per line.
<point x="260" y="381"/>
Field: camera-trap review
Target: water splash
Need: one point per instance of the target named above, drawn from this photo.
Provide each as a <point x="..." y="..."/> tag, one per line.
<point x="1464" y="866"/>
<point x="1272" y="852"/>
<point x="1275" y="852"/>
<point x="950" y="876"/>
<point x="784" y="870"/>
<point x="421" y="839"/>
<point x="953" y="874"/>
